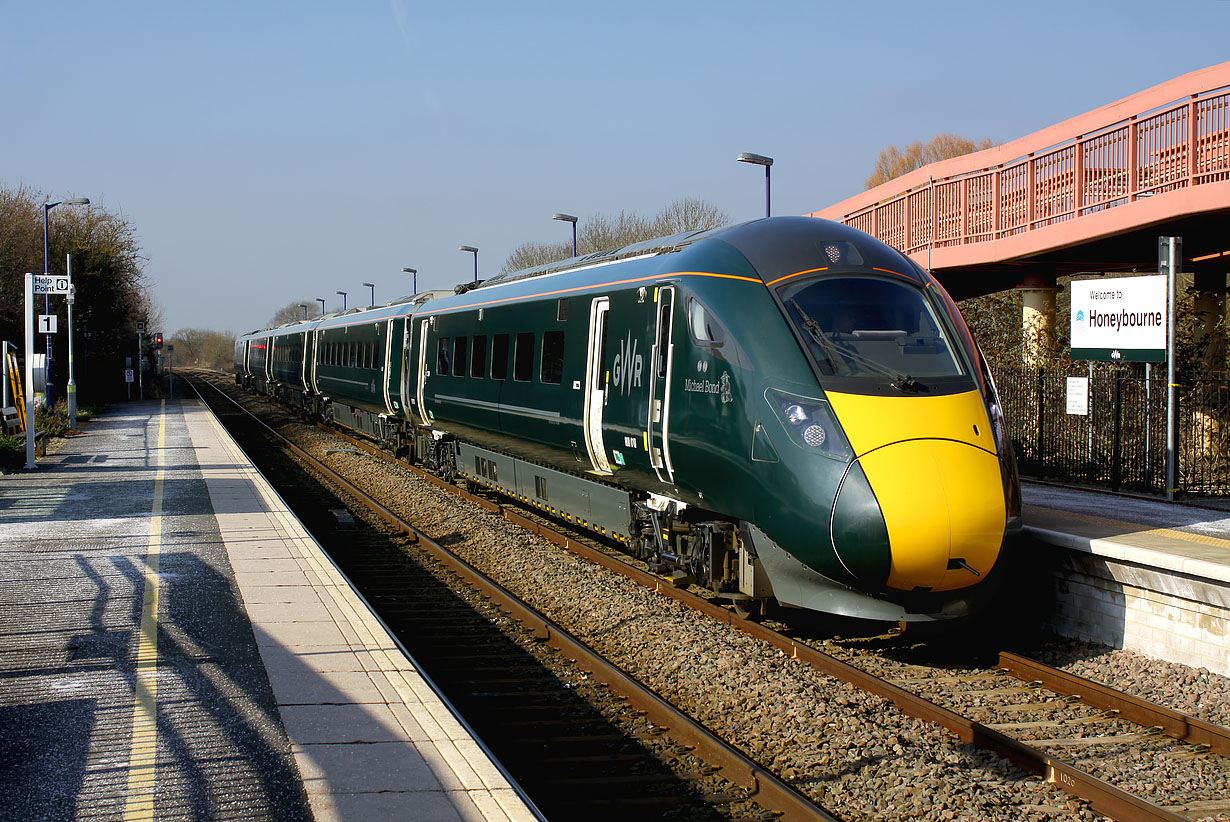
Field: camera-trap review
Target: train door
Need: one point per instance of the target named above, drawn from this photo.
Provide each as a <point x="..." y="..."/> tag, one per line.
<point x="315" y="359"/>
<point x="659" y="387"/>
<point x="388" y="366"/>
<point x="422" y="372"/>
<point x="596" y="385"/>
<point x="304" y="353"/>
<point x="407" y="373"/>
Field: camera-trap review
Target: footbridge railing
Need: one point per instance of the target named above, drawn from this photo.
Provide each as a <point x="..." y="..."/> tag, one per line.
<point x="1171" y="137"/>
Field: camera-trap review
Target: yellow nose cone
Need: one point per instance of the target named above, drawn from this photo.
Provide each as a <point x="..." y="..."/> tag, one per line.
<point x="943" y="505"/>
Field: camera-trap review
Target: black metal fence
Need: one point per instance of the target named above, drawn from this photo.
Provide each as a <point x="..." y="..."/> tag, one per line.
<point x="1121" y="442"/>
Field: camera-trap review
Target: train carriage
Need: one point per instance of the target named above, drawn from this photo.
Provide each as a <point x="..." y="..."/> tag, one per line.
<point x="785" y="408"/>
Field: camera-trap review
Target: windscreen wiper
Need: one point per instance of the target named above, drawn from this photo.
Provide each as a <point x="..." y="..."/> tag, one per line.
<point x="903" y="382"/>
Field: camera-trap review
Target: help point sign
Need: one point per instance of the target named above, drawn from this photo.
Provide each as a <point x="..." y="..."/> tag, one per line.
<point x="1121" y="319"/>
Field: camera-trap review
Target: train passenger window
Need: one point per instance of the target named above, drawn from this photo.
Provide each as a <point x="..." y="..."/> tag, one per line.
<point x="561" y="309"/>
<point x="478" y="356"/>
<point x="459" y="356"/>
<point x="499" y="357"/>
<point x="442" y="350"/>
<point x="551" y="370"/>
<point x="523" y="357"/>
<point x="704" y="326"/>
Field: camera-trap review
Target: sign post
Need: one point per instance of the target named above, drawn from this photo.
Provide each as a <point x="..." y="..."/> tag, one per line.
<point x="29" y="371"/>
<point x="36" y="284"/>
<point x="1169" y="261"/>
<point x="1130" y="319"/>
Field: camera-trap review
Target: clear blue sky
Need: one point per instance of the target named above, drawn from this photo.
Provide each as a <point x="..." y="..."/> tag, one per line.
<point x="278" y="151"/>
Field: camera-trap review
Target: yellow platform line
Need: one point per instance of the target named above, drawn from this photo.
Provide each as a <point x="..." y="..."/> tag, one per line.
<point x="143" y="750"/>
<point x="1133" y="528"/>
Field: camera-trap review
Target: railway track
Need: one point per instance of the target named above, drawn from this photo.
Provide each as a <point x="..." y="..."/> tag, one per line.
<point x="975" y="707"/>
<point x="549" y="719"/>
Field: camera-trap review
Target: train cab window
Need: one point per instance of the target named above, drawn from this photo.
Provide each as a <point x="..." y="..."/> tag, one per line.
<point x="442" y="350"/>
<point x="877" y="335"/>
<point x="499" y="357"/>
<point x="478" y="356"/>
<point x="459" y="356"/>
<point x="551" y="371"/>
<point x="703" y="325"/>
<point x="523" y="357"/>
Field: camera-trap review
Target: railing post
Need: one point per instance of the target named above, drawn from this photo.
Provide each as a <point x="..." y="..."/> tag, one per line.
<point x="1116" y="465"/>
<point x="964" y="211"/>
<point x="1030" y="195"/>
<point x="1191" y="142"/>
<point x="995" y="175"/>
<point x="1131" y="158"/>
<point x="1078" y="197"/>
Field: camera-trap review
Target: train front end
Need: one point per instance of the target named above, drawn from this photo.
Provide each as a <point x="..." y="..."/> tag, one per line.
<point x="927" y="499"/>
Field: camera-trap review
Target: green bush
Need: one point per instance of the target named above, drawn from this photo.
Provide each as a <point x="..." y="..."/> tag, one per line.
<point x="53" y="423"/>
<point x="12" y="452"/>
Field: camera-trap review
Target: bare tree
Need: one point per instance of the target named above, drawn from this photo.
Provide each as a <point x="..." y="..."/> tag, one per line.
<point x="204" y="348"/>
<point x="291" y="312"/>
<point x="893" y="161"/>
<point x="601" y="233"/>
<point x="689" y="214"/>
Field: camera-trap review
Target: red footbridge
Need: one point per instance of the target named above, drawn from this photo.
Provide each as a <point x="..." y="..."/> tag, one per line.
<point x="1092" y="194"/>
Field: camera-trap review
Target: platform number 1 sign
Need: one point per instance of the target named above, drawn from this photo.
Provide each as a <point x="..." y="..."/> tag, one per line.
<point x="46" y="323"/>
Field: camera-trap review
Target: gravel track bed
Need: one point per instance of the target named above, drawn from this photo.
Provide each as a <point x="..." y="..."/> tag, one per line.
<point x="855" y="753"/>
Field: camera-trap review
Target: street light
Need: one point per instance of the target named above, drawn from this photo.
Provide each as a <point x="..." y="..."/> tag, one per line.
<point x="372" y="286"/>
<point x="304" y="307"/>
<point x="473" y="251"/>
<point x="759" y="160"/>
<point x="414" y="280"/>
<point x="322" y="306"/>
<point x="343" y="293"/>
<point x="568" y="218"/>
<point x="47" y="297"/>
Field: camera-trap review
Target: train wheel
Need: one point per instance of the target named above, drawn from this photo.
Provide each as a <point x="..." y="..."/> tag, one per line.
<point x="748" y="608"/>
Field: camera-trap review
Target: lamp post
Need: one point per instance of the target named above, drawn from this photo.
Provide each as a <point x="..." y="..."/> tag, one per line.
<point x="568" y="218"/>
<point x="372" y="286"/>
<point x="322" y="306"/>
<point x="47" y="297"/>
<point x="72" y="382"/>
<point x="759" y="160"/>
<point x="304" y="307"/>
<point x="343" y="293"/>
<point x="473" y="251"/>
<point x="414" y="280"/>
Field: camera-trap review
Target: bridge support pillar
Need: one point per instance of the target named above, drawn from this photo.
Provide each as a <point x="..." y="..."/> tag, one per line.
<point x="1038" y="319"/>
<point x="1209" y="307"/>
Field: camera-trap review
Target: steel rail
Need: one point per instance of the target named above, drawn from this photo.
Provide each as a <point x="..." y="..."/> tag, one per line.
<point x="760" y="785"/>
<point x="1182" y="727"/>
<point x="1103" y="796"/>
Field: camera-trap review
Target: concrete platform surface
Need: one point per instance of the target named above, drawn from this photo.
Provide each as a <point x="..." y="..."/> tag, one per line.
<point x="173" y="645"/>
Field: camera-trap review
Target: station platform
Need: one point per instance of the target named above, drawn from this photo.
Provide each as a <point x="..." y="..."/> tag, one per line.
<point x="1141" y="574"/>
<point x="174" y="645"/>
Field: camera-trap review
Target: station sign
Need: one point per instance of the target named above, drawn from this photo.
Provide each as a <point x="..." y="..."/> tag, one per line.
<point x="44" y="284"/>
<point x="47" y="323"/>
<point x="1122" y="319"/>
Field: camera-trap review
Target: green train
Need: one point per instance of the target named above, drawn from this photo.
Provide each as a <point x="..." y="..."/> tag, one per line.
<point x="785" y="409"/>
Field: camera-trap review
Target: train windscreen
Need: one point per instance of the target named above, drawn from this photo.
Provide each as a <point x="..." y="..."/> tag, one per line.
<point x="875" y="335"/>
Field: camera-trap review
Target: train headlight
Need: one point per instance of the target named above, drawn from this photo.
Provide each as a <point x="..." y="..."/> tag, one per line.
<point x="811" y="424"/>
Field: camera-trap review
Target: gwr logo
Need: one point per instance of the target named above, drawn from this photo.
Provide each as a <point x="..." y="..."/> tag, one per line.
<point x="626" y="371"/>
